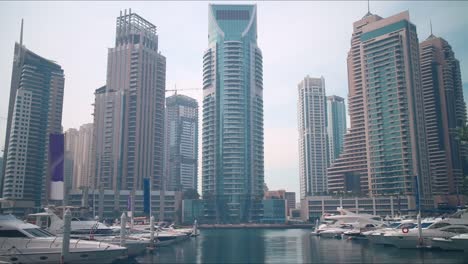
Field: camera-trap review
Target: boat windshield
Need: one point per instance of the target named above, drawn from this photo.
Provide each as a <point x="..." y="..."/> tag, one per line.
<point x="37" y="232"/>
<point x="8" y="217"/>
<point x="394" y="225"/>
<point x="425" y="225"/>
<point x="93" y="231"/>
<point x="408" y="225"/>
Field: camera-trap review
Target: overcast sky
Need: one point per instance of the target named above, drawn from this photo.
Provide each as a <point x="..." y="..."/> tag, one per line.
<point x="297" y="39"/>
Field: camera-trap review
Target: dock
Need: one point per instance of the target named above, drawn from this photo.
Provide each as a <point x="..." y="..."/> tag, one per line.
<point x="255" y="226"/>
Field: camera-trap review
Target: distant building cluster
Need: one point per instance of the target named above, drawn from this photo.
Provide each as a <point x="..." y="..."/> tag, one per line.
<point x="401" y="152"/>
<point x="406" y="110"/>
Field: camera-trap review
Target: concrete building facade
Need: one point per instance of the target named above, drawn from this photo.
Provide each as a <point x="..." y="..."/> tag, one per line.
<point x="312" y="126"/>
<point x="79" y="156"/>
<point x="129" y="110"/>
<point x="445" y="113"/>
<point x="314" y="207"/>
<point x="383" y="67"/>
<point x="102" y="203"/>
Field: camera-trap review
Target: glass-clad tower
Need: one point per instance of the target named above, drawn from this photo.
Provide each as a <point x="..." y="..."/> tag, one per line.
<point x="336" y="126"/>
<point x="233" y="166"/>
<point x="181" y="143"/>
<point x="34" y="113"/>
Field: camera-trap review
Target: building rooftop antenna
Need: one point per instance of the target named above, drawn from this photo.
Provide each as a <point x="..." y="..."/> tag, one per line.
<point x="368" y="9"/>
<point x="21" y="33"/>
<point x="431" y="36"/>
<point x="430" y="23"/>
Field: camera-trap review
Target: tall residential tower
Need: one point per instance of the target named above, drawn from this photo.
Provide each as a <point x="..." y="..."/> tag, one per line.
<point x="181" y="143"/>
<point x="233" y="165"/>
<point x="312" y="121"/>
<point x="386" y="101"/>
<point x="445" y="114"/>
<point x="35" y="112"/>
<point x="129" y="109"/>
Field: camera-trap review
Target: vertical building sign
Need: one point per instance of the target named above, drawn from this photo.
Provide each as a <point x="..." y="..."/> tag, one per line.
<point x="56" y="158"/>
<point x="146" y="195"/>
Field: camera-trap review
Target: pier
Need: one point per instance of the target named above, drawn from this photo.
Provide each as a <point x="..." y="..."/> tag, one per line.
<point x="255" y="226"/>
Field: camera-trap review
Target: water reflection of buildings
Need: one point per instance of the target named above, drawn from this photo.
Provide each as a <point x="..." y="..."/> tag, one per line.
<point x="235" y="245"/>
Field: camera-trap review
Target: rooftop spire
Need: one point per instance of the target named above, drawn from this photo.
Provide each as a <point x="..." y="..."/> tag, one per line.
<point x="430" y="23"/>
<point x="431" y="36"/>
<point x="21" y="33"/>
<point x="368" y="9"/>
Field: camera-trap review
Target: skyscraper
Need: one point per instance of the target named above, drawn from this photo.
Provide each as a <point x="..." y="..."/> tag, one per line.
<point x="129" y="109"/>
<point x="233" y="165"/>
<point x="383" y="67"/>
<point x="349" y="171"/>
<point x="181" y="143"/>
<point x="445" y="113"/>
<point x="70" y="146"/>
<point x="312" y="122"/>
<point x="336" y="126"/>
<point x="78" y="156"/>
<point x="35" y="112"/>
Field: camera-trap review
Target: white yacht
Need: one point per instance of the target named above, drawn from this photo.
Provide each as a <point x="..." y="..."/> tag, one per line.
<point x="164" y="237"/>
<point x="336" y="225"/>
<point x="88" y="229"/>
<point x="376" y="236"/>
<point x="27" y="243"/>
<point x="444" y="228"/>
<point x="458" y="242"/>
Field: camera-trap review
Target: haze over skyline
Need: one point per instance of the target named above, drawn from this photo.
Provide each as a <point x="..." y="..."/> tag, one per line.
<point x="296" y="38"/>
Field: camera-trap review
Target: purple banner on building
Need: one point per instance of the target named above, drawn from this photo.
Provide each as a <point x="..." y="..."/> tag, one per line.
<point x="129" y="203"/>
<point x="56" y="154"/>
<point x="56" y="158"/>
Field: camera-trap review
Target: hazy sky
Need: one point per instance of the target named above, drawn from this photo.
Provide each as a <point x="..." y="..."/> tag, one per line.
<point x="296" y="38"/>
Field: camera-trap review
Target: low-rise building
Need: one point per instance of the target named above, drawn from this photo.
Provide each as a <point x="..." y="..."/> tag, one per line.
<point x="104" y="202"/>
<point x="314" y="207"/>
<point x="192" y="210"/>
<point x="274" y="211"/>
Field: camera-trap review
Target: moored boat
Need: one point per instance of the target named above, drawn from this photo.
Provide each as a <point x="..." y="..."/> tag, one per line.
<point x="27" y="243"/>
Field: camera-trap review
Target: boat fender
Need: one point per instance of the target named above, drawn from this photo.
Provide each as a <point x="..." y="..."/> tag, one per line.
<point x="405" y="230"/>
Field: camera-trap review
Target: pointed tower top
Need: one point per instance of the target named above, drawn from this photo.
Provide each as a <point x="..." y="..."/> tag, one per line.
<point x="368" y="10"/>
<point x="430" y="23"/>
<point x="431" y="36"/>
<point x="21" y="33"/>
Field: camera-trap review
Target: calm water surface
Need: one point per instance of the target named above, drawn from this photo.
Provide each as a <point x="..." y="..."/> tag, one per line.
<point x="287" y="246"/>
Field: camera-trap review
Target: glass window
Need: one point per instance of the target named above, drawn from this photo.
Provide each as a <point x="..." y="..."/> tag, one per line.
<point x="37" y="232"/>
<point x="11" y="233"/>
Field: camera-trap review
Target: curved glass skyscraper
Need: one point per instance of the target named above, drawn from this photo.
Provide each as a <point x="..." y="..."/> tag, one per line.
<point x="233" y="167"/>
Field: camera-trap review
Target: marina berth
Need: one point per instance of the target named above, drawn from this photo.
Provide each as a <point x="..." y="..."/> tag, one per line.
<point x="353" y="224"/>
<point x="27" y="243"/>
<point x="458" y="242"/>
<point x="423" y="237"/>
<point x="92" y="230"/>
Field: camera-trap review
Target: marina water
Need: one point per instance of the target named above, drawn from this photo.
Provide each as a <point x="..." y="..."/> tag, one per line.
<point x="288" y="246"/>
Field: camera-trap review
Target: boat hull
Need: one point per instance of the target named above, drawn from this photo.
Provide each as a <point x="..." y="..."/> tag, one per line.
<point x="38" y="255"/>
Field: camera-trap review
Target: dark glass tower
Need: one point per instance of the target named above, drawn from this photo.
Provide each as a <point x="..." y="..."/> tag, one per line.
<point x="34" y="112"/>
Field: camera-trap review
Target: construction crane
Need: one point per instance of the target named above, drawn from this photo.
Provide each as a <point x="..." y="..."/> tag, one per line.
<point x="183" y="89"/>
